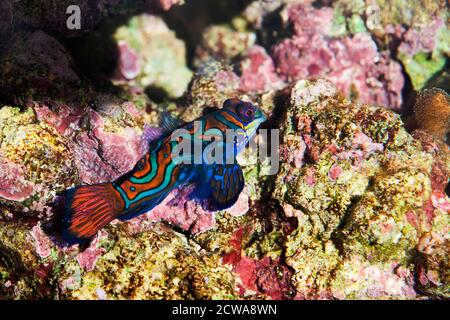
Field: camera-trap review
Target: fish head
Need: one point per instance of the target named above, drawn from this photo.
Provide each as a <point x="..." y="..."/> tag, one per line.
<point x="247" y="114"/>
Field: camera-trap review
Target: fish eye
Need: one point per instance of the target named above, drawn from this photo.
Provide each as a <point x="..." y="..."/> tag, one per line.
<point x="246" y="111"/>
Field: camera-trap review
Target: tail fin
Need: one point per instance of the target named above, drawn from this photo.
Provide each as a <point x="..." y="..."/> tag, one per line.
<point x="88" y="209"/>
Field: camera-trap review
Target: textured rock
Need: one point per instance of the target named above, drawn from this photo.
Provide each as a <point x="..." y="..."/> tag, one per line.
<point x="35" y="159"/>
<point x="152" y="56"/>
<point x="352" y="63"/>
<point x="258" y="72"/>
<point x="211" y="85"/>
<point x="158" y="264"/>
<point x="354" y="198"/>
<point x="224" y="42"/>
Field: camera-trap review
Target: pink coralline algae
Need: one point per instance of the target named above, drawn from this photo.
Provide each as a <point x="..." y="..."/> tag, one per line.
<point x="412" y="219"/>
<point x="335" y="172"/>
<point x="88" y="258"/>
<point x="110" y="155"/>
<point x="258" y="71"/>
<point x="185" y="213"/>
<point x="366" y="143"/>
<point x="353" y="64"/>
<point x="42" y="242"/>
<point x="129" y="65"/>
<point x="226" y="79"/>
<point x="440" y="201"/>
<point x="266" y="276"/>
<point x="293" y="152"/>
<point x="423" y="40"/>
<point x="242" y="205"/>
<point x="13" y="185"/>
<point x="167" y="4"/>
<point x="99" y="155"/>
<point x="438" y="198"/>
<point x="65" y="120"/>
<point x="396" y="281"/>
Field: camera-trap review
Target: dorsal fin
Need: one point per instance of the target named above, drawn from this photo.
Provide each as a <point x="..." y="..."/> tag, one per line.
<point x="169" y="123"/>
<point x="231" y="102"/>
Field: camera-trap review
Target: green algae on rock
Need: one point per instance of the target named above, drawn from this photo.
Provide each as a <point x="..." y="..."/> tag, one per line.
<point x="361" y="175"/>
<point x="157" y="264"/>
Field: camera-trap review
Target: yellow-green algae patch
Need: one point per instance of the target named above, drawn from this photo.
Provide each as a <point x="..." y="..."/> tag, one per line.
<point x="158" y="264"/>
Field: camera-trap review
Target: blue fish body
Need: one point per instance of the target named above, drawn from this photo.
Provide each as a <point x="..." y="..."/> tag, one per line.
<point x="177" y="158"/>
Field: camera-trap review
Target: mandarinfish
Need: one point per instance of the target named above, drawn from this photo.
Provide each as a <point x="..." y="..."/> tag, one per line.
<point x="168" y="164"/>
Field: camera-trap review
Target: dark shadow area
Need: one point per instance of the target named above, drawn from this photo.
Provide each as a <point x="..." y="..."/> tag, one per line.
<point x="207" y="110"/>
<point x="93" y="49"/>
<point x="96" y="53"/>
<point x="54" y="226"/>
<point x="156" y="94"/>
<point x="273" y="30"/>
<point x="408" y="95"/>
<point x="191" y="19"/>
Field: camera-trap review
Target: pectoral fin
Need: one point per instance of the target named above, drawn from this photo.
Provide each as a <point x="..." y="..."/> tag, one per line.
<point x="220" y="185"/>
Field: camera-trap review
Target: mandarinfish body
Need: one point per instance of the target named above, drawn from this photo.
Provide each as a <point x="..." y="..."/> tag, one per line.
<point x="199" y="152"/>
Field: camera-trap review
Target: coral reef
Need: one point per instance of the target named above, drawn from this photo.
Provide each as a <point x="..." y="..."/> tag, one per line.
<point x="224" y="42"/>
<point x="359" y="208"/>
<point x="352" y="63"/>
<point x="159" y="264"/>
<point x="365" y="177"/>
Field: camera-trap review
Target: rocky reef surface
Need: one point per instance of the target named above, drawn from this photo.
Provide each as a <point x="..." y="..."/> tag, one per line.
<point x="359" y="208"/>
